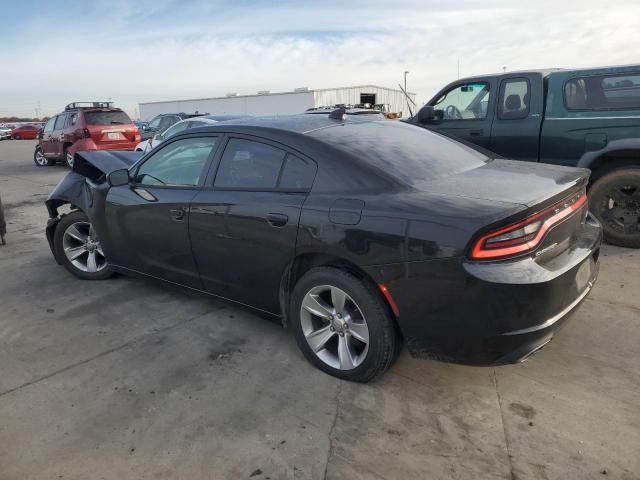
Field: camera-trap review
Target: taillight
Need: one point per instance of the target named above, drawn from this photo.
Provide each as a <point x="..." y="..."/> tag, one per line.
<point x="524" y="236"/>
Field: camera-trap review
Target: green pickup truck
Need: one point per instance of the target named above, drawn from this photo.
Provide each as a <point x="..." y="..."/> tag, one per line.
<point x="583" y="118"/>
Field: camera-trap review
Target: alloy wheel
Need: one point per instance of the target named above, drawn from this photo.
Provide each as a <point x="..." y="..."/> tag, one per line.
<point x="334" y="327"/>
<point x="40" y="158"/>
<point x="620" y="208"/>
<point x="69" y="159"/>
<point x="82" y="248"/>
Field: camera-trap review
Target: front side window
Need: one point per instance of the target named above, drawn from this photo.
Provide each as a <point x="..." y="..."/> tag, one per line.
<point x="246" y="164"/>
<point x="49" y="125"/>
<point x="178" y="127"/>
<point x="60" y="119"/>
<point x="180" y="163"/>
<point x="514" y="99"/>
<point x="463" y="102"/>
<point x="603" y="92"/>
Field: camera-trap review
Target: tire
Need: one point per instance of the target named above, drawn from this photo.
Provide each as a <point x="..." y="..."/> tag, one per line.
<point x="17" y="137"/>
<point x="614" y="199"/>
<point x="74" y="236"/>
<point x="40" y="160"/>
<point x="68" y="157"/>
<point x="365" y="316"/>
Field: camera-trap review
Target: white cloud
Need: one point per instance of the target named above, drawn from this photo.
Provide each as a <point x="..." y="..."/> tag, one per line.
<point x="135" y="54"/>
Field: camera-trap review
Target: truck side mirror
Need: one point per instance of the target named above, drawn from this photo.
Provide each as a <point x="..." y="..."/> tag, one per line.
<point x="118" y="177"/>
<point x="426" y="114"/>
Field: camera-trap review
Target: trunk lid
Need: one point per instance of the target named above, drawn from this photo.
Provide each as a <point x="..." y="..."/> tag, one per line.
<point x="110" y="128"/>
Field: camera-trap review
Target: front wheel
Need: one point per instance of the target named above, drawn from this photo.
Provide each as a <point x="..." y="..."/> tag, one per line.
<point x="39" y="158"/>
<point x="615" y="201"/>
<point x="17" y="137"/>
<point x="68" y="158"/>
<point x="342" y="325"/>
<point x="78" y="248"/>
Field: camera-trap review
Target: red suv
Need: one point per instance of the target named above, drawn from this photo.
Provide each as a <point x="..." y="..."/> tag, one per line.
<point x="85" y="126"/>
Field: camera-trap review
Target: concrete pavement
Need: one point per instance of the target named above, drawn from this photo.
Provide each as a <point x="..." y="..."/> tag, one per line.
<point x="127" y="379"/>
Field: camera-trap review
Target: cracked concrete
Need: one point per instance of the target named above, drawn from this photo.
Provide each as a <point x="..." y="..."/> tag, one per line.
<point x="131" y="379"/>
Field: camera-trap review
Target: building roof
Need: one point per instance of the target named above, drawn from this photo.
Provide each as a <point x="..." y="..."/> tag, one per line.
<point x="291" y="92"/>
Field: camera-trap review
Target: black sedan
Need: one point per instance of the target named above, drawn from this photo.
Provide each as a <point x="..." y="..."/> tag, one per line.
<point x="358" y="233"/>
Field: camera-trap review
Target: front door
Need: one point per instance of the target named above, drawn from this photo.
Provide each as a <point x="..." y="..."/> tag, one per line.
<point x="57" y="136"/>
<point x="244" y="228"/>
<point x="146" y="223"/>
<point x="465" y="111"/>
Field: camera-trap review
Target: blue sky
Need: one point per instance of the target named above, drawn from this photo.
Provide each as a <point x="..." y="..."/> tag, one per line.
<point x="54" y="52"/>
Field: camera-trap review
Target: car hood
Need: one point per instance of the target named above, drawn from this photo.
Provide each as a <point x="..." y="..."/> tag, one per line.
<point x="96" y="163"/>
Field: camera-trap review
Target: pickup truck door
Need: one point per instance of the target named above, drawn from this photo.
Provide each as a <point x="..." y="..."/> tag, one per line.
<point x="515" y="132"/>
<point x="465" y="110"/>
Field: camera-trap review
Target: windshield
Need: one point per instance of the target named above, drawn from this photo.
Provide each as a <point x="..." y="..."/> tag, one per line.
<point x="107" y="118"/>
<point x="411" y="154"/>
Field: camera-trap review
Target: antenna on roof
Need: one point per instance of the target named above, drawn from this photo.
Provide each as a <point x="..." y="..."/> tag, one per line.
<point x="339" y="114"/>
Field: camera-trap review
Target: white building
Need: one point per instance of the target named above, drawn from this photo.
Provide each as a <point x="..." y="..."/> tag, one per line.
<point x="284" y="103"/>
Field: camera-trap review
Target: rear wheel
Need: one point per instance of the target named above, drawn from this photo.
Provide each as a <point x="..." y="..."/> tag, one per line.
<point x="17" y="137"/>
<point x="342" y="325"/>
<point x="78" y="248"/>
<point x="39" y="158"/>
<point x="615" y="201"/>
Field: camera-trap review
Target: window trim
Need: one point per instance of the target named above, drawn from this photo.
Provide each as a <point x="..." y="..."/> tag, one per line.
<point x="133" y="169"/>
<point x="603" y="75"/>
<point x="288" y="151"/>
<point x="489" y="103"/>
<point x="501" y="91"/>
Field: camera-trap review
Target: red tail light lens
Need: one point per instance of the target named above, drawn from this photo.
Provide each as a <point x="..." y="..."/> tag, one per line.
<point x="526" y="235"/>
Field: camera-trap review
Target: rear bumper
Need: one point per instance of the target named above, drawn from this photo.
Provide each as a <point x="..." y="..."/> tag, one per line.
<point x="490" y="313"/>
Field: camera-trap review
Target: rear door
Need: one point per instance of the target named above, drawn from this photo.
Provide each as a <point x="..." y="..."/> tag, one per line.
<point x="146" y="225"/>
<point x="515" y="131"/>
<point x="244" y="227"/>
<point x="465" y="110"/>
<point x="47" y="143"/>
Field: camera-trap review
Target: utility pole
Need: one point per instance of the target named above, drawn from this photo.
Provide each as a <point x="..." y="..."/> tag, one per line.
<point x="405" y="88"/>
<point x="458" y="68"/>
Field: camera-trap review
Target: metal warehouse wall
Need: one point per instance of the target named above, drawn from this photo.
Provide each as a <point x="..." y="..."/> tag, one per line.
<point x="272" y="104"/>
<point x="351" y="95"/>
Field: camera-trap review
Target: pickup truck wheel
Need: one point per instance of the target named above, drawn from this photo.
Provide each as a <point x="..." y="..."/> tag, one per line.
<point x="68" y="158"/>
<point x="615" y="201"/>
<point x="39" y="158"/>
<point x="78" y="248"/>
<point x="342" y="325"/>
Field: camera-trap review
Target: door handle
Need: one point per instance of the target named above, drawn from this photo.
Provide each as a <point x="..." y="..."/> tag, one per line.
<point x="177" y="213"/>
<point x="475" y="133"/>
<point x="277" y="219"/>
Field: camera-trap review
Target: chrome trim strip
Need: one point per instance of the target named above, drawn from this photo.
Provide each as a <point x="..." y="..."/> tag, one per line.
<point x="593" y="118"/>
<point x="555" y="318"/>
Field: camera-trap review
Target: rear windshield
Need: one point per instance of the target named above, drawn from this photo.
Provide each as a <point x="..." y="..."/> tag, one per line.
<point x="409" y="153"/>
<point x="107" y="118"/>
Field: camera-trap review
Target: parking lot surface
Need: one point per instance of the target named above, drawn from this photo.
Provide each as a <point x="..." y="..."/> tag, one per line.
<point x="127" y="379"/>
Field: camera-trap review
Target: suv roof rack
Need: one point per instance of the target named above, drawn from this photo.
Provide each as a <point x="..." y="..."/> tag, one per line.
<point x="77" y="105"/>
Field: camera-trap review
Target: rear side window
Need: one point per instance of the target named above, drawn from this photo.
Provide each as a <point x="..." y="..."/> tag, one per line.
<point x="603" y="92"/>
<point x="246" y="164"/>
<point x="514" y="99"/>
<point x="60" y="119"/>
<point x="297" y="173"/>
<point x="72" y="120"/>
<point x="107" y="118"/>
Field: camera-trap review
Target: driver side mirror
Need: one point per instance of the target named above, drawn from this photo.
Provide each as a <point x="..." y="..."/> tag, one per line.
<point x="426" y="114"/>
<point x="118" y="177"/>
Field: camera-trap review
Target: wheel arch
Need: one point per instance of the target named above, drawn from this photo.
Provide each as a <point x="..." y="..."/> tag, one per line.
<point x="617" y="154"/>
<point x="304" y="262"/>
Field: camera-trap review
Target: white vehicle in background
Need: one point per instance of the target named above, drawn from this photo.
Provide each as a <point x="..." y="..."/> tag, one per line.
<point x="5" y="131"/>
<point x="180" y="126"/>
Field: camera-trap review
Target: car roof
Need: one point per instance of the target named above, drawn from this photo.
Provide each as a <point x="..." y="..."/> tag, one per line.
<point x="300" y="123"/>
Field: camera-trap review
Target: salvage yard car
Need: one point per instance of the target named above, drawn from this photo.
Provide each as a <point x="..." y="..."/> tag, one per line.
<point x="25" y="132"/>
<point x="84" y="126"/>
<point x="587" y="118"/>
<point x="465" y="257"/>
<point x="182" y="125"/>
